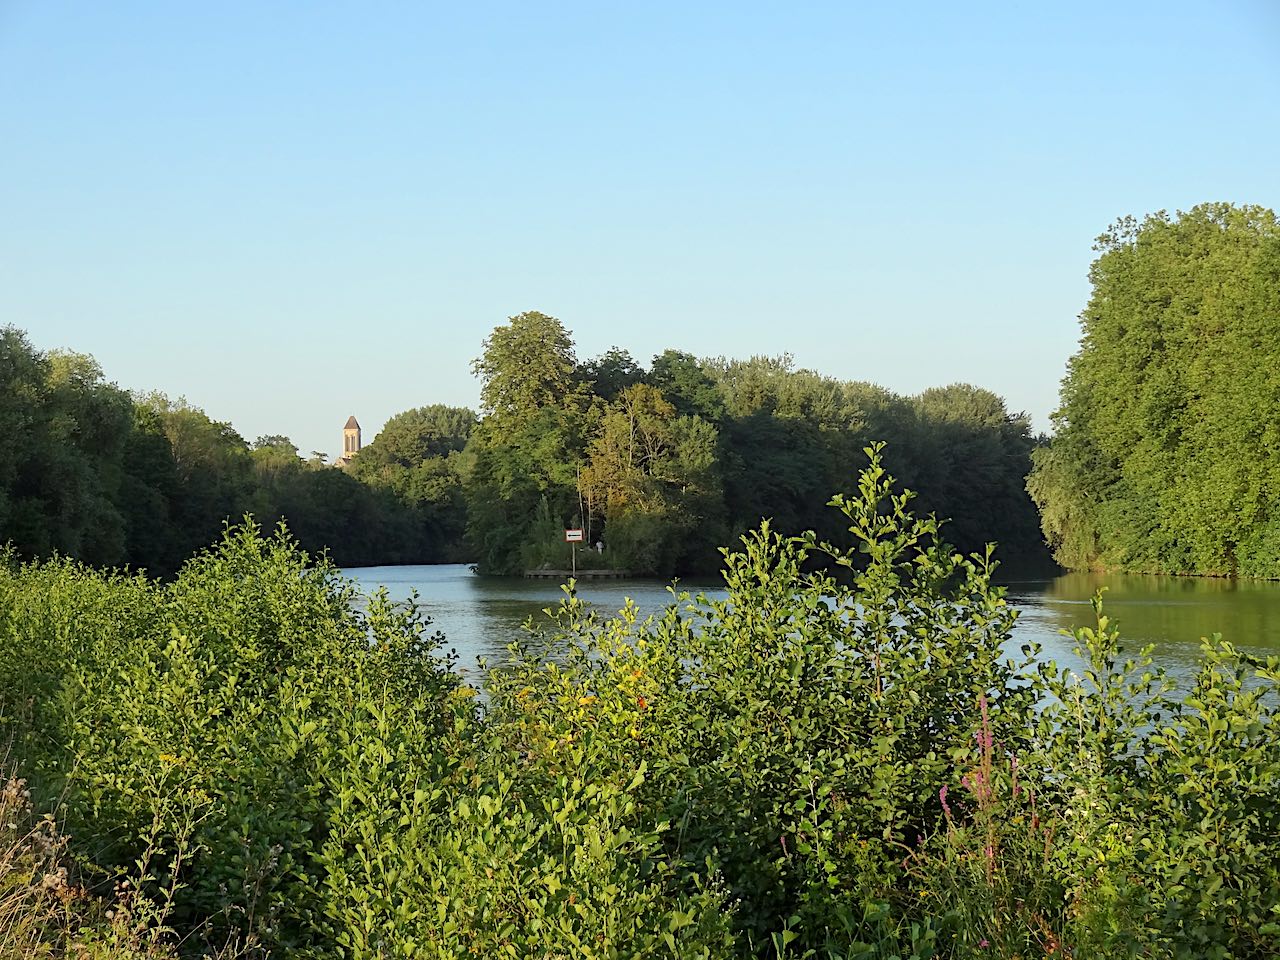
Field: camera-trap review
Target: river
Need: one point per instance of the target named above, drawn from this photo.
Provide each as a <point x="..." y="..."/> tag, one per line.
<point x="480" y="616"/>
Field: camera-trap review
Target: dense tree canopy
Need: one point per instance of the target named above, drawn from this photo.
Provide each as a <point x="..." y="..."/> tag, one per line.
<point x="94" y="473"/>
<point x="63" y="476"/>
<point x="419" y="457"/>
<point x="611" y="373"/>
<point x="662" y="466"/>
<point x="652" y="474"/>
<point x="665" y="465"/>
<point x="1167" y="449"/>
<point x="527" y="364"/>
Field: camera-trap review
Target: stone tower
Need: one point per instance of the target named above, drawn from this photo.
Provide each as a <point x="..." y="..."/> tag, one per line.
<point x="350" y="441"/>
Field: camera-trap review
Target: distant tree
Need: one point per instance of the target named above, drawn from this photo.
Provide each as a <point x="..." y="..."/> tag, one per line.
<point x="750" y="386"/>
<point x="150" y="495"/>
<point x="774" y="468"/>
<point x="654" y="474"/>
<point x="88" y="429"/>
<point x="275" y="441"/>
<point x="686" y="385"/>
<point x="529" y="445"/>
<point x="414" y="436"/>
<point x="515" y="466"/>
<point x="75" y="477"/>
<point x="527" y="364"/>
<point x="773" y="385"/>
<point x="275" y="453"/>
<point x="23" y="386"/>
<point x="66" y="432"/>
<point x="417" y="456"/>
<point x="214" y="469"/>
<point x="610" y="373"/>
<point x="971" y="459"/>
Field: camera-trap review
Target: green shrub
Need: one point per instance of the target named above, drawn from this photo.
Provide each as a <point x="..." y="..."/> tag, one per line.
<point x="800" y="738"/>
<point x="843" y="758"/>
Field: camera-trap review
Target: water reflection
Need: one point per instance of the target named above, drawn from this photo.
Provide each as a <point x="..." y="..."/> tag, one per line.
<point x="1173" y="613"/>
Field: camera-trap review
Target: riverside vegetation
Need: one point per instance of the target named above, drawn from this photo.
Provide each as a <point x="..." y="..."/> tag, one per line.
<point x="1166" y="453"/>
<point x="111" y="478"/>
<point x="831" y="763"/>
<point x="664" y="464"/>
<point x="1165" y="458"/>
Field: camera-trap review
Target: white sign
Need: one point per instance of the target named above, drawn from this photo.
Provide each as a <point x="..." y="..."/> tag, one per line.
<point x="573" y="536"/>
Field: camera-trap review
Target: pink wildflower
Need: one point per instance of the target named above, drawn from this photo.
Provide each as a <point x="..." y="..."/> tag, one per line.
<point x="986" y="739"/>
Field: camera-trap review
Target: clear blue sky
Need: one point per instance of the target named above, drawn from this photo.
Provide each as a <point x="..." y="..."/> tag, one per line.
<point x="291" y="212"/>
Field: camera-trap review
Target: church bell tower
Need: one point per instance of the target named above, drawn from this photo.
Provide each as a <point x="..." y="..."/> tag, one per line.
<point x="350" y="440"/>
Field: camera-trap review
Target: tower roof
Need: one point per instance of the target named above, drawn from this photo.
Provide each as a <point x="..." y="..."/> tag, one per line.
<point x="352" y="423"/>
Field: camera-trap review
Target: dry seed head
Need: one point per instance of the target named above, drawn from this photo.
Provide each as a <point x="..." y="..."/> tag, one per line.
<point x="55" y="881"/>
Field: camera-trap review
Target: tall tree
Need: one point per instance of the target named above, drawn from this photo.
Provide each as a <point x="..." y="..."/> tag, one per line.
<point x="213" y="465"/>
<point x="971" y="458"/>
<point x="654" y="474"/>
<point x="527" y="364"/>
<point x="414" y="436"/>
<point x="418" y="456"/>
<point x="515" y="468"/>
<point x="686" y="385"/>
<point x="67" y="430"/>
<point x="1167" y="448"/>
<point x="24" y="373"/>
<point x="610" y="373"/>
<point x="528" y="447"/>
<point x="150" y="496"/>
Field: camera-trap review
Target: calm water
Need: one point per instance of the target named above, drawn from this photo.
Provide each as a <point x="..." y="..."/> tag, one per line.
<point x="481" y="615"/>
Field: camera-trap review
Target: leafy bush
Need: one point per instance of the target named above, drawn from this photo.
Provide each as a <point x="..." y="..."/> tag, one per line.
<point x="840" y="759"/>
<point x="190" y="728"/>
<point x="869" y="773"/>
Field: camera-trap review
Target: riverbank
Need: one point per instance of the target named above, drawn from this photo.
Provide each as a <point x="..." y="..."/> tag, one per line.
<point x="564" y="576"/>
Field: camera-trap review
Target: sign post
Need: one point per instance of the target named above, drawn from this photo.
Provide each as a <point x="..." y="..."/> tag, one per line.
<point x="574" y="536"/>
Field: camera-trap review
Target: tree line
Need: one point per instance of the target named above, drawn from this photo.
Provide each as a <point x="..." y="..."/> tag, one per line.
<point x="1166" y="449"/>
<point x="1165" y="455"/>
<point x="95" y="473"/>
<point x="664" y="465"/>
<point x="661" y="465"/>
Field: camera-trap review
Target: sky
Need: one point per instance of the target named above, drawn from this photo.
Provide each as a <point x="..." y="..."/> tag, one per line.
<point x="288" y="213"/>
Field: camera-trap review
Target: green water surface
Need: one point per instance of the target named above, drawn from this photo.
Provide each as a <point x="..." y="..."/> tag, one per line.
<point x="480" y="616"/>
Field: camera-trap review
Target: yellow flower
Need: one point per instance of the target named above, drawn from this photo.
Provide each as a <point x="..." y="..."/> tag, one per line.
<point x="585" y="700"/>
